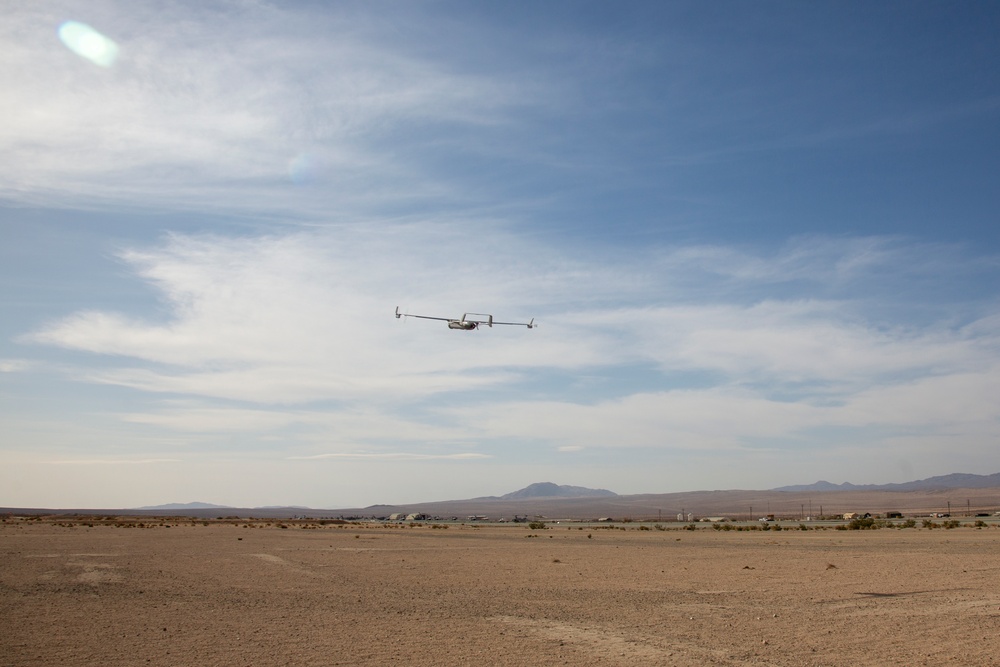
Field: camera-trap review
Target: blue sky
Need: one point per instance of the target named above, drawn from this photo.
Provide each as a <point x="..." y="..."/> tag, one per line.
<point x="760" y="240"/>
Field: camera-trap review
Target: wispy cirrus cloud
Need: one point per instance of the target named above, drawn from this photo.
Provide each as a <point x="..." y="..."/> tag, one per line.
<point x="15" y="365"/>
<point x="280" y="323"/>
<point x="394" y="456"/>
<point x="218" y="110"/>
<point x="951" y="408"/>
<point x="113" y="462"/>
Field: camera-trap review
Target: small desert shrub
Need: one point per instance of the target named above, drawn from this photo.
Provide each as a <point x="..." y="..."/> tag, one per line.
<point x="803" y="526"/>
<point x="980" y="523"/>
<point x="690" y="526"/>
<point x="659" y="527"/>
<point x="645" y="528"/>
<point x="862" y="524"/>
<point x="952" y="523"/>
<point x="537" y="525"/>
<point x="909" y="523"/>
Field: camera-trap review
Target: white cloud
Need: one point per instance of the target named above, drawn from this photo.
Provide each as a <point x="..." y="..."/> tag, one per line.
<point x="203" y="419"/>
<point x="15" y="365"/>
<point x="956" y="407"/>
<point x="301" y="318"/>
<point x="310" y="317"/>
<point x="102" y="462"/>
<point x="205" y="108"/>
<point x="718" y="420"/>
<point x="786" y="342"/>
<point x="394" y="456"/>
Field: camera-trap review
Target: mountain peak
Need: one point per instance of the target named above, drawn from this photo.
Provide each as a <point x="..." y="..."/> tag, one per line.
<point x="184" y="506"/>
<point x="550" y="490"/>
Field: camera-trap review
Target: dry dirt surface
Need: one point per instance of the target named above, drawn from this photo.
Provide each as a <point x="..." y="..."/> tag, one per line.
<point x="241" y="593"/>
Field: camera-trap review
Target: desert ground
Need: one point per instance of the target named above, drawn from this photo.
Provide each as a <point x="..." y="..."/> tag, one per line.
<point x="183" y="592"/>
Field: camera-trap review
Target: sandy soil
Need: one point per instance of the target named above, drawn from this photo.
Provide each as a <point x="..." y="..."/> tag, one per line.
<point x="228" y="594"/>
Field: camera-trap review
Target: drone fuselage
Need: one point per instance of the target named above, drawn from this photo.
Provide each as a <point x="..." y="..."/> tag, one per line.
<point x="462" y="324"/>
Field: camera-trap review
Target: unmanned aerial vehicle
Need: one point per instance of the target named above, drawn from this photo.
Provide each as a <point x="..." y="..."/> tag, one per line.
<point x="467" y="323"/>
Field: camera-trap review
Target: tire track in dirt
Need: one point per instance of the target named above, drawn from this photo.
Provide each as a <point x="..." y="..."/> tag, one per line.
<point x="615" y="646"/>
<point x="288" y="565"/>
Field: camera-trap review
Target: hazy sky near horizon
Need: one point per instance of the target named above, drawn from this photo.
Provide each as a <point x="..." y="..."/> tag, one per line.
<point x="761" y="241"/>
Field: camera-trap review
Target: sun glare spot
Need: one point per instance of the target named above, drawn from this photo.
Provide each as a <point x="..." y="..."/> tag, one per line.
<point x="87" y="43"/>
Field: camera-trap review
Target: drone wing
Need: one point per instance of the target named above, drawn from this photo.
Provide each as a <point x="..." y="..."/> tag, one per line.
<point x="423" y="317"/>
<point x="530" y="325"/>
<point x="465" y="319"/>
<point x="427" y="317"/>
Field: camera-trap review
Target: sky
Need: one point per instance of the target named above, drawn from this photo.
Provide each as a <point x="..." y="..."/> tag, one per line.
<point x="760" y="241"/>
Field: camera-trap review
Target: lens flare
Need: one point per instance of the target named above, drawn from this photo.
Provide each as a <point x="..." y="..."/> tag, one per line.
<point x="87" y="43"/>
<point x="306" y="168"/>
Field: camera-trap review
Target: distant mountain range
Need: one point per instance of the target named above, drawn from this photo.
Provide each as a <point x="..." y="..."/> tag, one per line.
<point x="563" y="500"/>
<point x="953" y="481"/>
<point x="210" y="506"/>
<point x="979" y="493"/>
